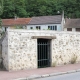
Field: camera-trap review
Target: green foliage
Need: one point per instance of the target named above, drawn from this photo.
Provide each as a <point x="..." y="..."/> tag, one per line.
<point x="0" y="23"/>
<point x="29" y="8"/>
<point x="54" y="64"/>
<point x="73" y="59"/>
<point x="1" y="7"/>
<point x="1" y="11"/>
<point x="18" y="27"/>
<point x="48" y="29"/>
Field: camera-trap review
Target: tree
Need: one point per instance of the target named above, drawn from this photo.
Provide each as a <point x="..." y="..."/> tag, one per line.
<point x="1" y="11"/>
<point x="20" y="8"/>
<point x="14" y="7"/>
<point x="8" y="11"/>
<point x="1" y="7"/>
<point x="29" y="8"/>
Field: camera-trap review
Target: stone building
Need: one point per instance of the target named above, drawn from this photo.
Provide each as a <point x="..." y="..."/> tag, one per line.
<point x="30" y="49"/>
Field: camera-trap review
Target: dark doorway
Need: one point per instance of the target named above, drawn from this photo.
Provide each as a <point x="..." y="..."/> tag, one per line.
<point x="43" y="46"/>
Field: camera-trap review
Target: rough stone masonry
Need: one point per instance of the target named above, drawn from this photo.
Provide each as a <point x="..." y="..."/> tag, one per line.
<point x="19" y="49"/>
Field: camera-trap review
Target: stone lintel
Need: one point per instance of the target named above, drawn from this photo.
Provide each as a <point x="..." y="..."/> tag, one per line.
<point x="44" y="37"/>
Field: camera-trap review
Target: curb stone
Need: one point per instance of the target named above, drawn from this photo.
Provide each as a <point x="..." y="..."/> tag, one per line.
<point x="20" y="79"/>
<point x="60" y="73"/>
<point x="47" y="75"/>
<point x="34" y="77"/>
<point x="73" y="71"/>
<point x="78" y="70"/>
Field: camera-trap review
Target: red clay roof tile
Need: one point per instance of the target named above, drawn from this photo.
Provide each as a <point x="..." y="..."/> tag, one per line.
<point x="18" y="21"/>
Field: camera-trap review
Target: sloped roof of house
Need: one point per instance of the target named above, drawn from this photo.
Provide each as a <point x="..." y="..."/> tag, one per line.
<point x="18" y="21"/>
<point x="72" y="23"/>
<point x="46" y="20"/>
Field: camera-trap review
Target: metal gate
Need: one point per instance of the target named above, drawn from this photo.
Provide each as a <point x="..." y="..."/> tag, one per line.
<point x="43" y="46"/>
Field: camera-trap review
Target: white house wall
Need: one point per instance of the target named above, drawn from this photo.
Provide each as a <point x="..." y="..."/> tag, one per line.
<point x="45" y="26"/>
<point x="9" y="27"/>
<point x="65" y="29"/>
<point x="73" y="29"/>
<point x="22" y="49"/>
<point x="3" y="28"/>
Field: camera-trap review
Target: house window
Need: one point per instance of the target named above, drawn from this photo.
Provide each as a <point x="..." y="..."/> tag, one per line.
<point x="38" y="27"/>
<point x="52" y="27"/>
<point x="55" y="27"/>
<point x="78" y="29"/>
<point x="31" y="27"/>
<point x="49" y="27"/>
<point x="69" y="29"/>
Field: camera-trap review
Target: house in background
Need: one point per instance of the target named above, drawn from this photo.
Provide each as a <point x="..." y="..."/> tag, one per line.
<point x="72" y="25"/>
<point x="14" y="23"/>
<point x="55" y="22"/>
<point x="47" y="22"/>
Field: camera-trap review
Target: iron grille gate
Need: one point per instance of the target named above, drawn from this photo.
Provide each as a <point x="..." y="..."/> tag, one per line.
<point x="43" y="53"/>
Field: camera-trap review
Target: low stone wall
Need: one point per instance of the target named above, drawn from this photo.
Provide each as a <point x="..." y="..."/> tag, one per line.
<point x="0" y="51"/>
<point x="21" y="49"/>
<point x="0" y="55"/>
<point x="5" y="58"/>
<point x="0" y="59"/>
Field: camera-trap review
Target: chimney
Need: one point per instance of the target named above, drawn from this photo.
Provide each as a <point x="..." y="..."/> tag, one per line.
<point x="66" y="18"/>
<point x="63" y="14"/>
<point x="63" y="20"/>
<point x="15" y="17"/>
<point x="58" y="12"/>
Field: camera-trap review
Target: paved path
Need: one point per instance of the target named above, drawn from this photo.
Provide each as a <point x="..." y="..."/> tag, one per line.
<point x="71" y="76"/>
<point x="5" y="75"/>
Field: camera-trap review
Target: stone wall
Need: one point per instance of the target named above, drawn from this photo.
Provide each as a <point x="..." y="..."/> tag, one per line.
<point x="0" y="51"/>
<point x="5" y="52"/>
<point x="0" y="55"/>
<point x="66" y="47"/>
<point x="21" y="51"/>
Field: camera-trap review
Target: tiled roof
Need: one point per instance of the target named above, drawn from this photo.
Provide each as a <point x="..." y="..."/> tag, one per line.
<point x="18" y="21"/>
<point x="46" y="20"/>
<point x="72" y="23"/>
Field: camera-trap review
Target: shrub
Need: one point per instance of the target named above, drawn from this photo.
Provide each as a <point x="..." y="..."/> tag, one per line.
<point x="54" y="64"/>
<point x="48" y="29"/>
<point x="65" y="63"/>
<point x="73" y="59"/>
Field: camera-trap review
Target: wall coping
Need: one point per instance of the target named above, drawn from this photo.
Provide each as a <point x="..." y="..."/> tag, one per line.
<point x="41" y="31"/>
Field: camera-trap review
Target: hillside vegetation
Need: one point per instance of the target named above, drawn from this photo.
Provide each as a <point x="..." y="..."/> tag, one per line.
<point x="29" y="8"/>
